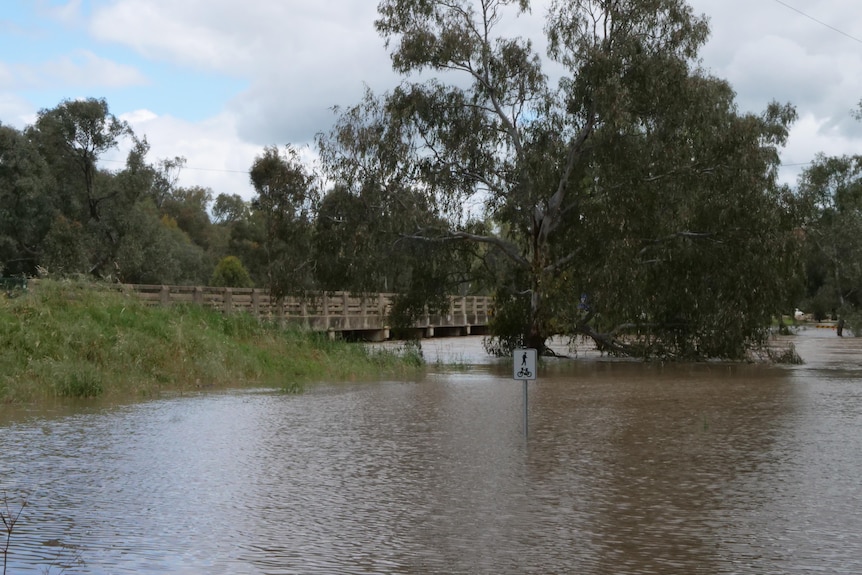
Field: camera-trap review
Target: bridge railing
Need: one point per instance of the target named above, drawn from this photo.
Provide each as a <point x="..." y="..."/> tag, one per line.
<point x="338" y="311"/>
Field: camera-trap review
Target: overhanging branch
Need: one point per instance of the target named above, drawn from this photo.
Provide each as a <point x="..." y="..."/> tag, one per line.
<point x="505" y="247"/>
<point x="675" y="235"/>
<point x="562" y="262"/>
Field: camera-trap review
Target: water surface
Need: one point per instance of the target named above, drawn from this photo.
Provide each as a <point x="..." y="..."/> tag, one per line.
<point x="629" y="468"/>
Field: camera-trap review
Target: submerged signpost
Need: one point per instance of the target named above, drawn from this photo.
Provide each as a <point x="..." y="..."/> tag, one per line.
<point x="524" y="369"/>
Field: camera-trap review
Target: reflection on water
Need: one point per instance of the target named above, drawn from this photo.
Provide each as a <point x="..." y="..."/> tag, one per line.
<point x="629" y="468"/>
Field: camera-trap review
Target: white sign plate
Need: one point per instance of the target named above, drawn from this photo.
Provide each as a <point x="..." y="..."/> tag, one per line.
<point x="524" y="364"/>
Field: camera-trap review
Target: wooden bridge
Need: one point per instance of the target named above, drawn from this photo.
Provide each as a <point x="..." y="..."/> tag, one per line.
<point x="351" y="316"/>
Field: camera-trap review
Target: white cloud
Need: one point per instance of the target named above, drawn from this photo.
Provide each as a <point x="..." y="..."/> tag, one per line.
<point x="812" y="135"/>
<point x="81" y="69"/>
<point x="216" y="157"/>
<point x="240" y="38"/>
<point x="139" y="117"/>
<point x="86" y="68"/>
<point x="15" y="111"/>
<point x="774" y="68"/>
<point x="181" y="32"/>
<point x="300" y="58"/>
<point x="68" y="13"/>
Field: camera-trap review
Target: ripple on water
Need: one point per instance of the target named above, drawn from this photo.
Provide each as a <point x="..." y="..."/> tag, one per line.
<point x="629" y="468"/>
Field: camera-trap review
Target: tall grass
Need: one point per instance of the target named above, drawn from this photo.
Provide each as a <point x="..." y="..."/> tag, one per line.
<point x="64" y="339"/>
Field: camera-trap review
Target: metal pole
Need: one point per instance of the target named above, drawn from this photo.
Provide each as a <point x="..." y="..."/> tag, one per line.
<point x="526" y="411"/>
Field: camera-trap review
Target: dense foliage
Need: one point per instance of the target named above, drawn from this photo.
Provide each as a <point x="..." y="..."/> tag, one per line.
<point x="832" y="190"/>
<point x="64" y="214"/>
<point x="631" y="202"/>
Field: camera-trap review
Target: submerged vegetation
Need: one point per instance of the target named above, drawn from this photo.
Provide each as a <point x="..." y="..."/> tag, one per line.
<point x="67" y="339"/>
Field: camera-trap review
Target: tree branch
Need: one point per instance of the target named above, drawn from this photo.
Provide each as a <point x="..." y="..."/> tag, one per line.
<point x="564" y="261"/>
<point x="552" y="219"/>
<point x="505" y="247"/>
<point x="673" y="236"/>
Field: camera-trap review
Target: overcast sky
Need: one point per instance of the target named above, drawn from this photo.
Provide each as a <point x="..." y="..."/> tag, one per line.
<point x="216" y="80"/>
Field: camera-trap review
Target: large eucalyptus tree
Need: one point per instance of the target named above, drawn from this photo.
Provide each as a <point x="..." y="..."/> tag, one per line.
<point x="632" y="201"/>
<point x="73" y="137"/>
<point x="93" y="203"/>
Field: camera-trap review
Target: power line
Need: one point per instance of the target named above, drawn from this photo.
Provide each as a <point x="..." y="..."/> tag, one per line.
<point x="822" y="23"/>
<point x="215" y="170"/>
<point x="190" y="168"/>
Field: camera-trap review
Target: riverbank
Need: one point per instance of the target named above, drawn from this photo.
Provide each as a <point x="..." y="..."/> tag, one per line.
<point x="75" y="340"/>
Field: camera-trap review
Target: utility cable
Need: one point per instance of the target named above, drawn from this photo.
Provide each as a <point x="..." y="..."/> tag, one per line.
<point x="822" y="23"/>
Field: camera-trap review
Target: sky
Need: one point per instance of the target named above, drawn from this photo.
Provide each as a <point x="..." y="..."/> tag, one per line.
<point x="214" y="81"/>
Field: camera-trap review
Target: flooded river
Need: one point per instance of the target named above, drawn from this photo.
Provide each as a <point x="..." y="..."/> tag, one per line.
<point x="628" y="469"/>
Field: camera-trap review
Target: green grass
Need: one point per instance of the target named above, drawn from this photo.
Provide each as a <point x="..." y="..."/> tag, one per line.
<point x="79" y="340"/>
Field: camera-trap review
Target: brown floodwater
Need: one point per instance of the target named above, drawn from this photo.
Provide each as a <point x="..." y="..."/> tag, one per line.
<point x="629" y="468"/>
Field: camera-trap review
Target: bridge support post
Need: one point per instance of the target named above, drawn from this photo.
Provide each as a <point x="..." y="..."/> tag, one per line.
<point x="303" y="310"/>
<point x="279" y="312"/>
<point x="345" y="310"/>
<point x="255" y="303"/>
<point x="228" y="300"/>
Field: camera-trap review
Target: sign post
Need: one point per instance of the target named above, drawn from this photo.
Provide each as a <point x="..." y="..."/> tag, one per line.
<point x="524" y="369"/>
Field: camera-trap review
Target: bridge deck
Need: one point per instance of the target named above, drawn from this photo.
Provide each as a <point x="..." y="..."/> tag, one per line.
<point x="353" y="315"/>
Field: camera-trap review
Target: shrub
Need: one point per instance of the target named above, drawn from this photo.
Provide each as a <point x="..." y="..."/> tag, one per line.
<point x="230" y="272"/>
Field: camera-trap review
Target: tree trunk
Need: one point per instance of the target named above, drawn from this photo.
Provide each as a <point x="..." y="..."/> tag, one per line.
<point x="535" y="335"/>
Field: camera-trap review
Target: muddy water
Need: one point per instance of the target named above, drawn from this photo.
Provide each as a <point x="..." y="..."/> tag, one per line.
<point x="629" y="468"/>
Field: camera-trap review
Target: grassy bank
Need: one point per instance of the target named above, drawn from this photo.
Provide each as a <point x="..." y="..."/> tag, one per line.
<point x="64" y="339"/>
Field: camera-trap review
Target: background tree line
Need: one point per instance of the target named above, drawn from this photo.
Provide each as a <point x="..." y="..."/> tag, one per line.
<point x="62" y="212"/>
<point x="627" y="200"/>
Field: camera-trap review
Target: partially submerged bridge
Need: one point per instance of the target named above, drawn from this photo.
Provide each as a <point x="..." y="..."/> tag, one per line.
<point x="352" y="316"/>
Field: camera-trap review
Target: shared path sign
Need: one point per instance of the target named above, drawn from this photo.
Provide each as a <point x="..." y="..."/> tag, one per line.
<point x="524" y="364"/>
<point x="524" y="369"/>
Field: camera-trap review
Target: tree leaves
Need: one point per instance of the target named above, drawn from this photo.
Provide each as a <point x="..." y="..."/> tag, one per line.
<point x="635" y="182"/>
<point x="285" y="202"/>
